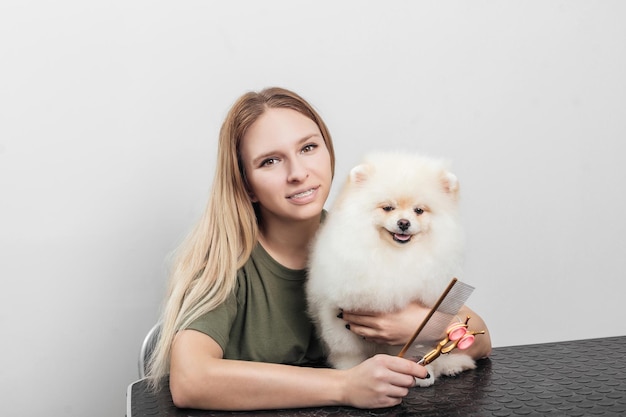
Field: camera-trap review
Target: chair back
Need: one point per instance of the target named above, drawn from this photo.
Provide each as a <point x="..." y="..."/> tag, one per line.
<point x="147" y="347"/>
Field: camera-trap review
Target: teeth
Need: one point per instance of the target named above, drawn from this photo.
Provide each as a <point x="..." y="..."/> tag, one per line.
<point x="304" y="194"/>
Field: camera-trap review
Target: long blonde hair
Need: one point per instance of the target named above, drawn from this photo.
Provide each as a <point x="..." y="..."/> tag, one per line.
<point x="205" y="270"/>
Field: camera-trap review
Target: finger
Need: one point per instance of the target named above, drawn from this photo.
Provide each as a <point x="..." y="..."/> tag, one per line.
<point x="363" y="332"/>
<point x="396" y="384"/>
<point x="356" y="329"/>
<point x="408" y="367"/>
<point x="398" y="391"/>
<point x="364" y="321"/>
<point x="357" y="318"/>
<point x="403" y="380"/>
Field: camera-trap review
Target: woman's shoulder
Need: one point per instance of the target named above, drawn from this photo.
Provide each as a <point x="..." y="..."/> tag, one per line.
<point x="264" y="266"/>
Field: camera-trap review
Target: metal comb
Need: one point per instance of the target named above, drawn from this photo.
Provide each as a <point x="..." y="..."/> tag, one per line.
<point x="437" y="320"/>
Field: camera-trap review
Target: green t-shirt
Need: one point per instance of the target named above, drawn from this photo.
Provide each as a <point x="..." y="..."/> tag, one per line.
<point x="265" y="320"/>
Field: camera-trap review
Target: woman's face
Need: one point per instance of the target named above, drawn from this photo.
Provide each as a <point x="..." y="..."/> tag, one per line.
<point x="287" y="165"/>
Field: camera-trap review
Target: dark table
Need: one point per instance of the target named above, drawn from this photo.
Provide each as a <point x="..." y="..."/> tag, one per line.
<point x="576" y="378"/>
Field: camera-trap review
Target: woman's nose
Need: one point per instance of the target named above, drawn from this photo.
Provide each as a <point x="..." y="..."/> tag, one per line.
<point x="298" y="171"/>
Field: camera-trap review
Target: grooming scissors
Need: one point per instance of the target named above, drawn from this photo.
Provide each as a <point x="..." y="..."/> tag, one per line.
<point x="457" y="337"/>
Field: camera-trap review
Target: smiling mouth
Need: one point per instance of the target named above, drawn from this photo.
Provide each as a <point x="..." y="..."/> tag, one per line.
<point x="303" y="194"/>
<point x="401" y="237"/>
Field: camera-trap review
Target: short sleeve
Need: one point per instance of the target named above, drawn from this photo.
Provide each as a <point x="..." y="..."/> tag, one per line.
<point x="218" y="322"/>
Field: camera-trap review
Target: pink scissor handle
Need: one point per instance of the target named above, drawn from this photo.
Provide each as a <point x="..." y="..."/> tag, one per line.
<point x="456" y="331"/>
<point x="466" y="341"/>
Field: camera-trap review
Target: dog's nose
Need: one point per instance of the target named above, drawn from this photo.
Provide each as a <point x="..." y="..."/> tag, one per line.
<point x="404" y="224"/>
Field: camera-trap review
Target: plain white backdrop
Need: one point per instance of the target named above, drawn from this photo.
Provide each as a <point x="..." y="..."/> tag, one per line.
<point x="109" y="115"/>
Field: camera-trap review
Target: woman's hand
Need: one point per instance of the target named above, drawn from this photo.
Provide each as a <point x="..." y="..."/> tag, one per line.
<point x="393" y="328"/>
<point x="381" y="381"/>
<point x="397" y="327"/>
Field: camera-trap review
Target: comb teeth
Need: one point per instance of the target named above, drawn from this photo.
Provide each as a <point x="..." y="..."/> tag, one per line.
<point x="456" y="298"/>
<point x="450" y="306"/>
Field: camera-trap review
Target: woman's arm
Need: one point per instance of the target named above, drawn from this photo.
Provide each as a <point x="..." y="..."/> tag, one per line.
<point x="200" y="378"/>
<point x="397" y="327"/>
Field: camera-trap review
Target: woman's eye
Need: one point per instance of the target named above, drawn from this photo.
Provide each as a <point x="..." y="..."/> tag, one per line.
<point x="309" y="147"/>
<point x="419" y="211"/>
<point x="268" y="162"/>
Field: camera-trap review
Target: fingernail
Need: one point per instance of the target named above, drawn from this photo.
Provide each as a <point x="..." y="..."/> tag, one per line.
<point x="340" y="315"/>
<point x="348" y="326"/>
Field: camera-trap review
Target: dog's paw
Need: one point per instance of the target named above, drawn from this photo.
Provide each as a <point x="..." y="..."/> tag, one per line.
<point x="450" y="365"/>
<point x="426" y="382"/>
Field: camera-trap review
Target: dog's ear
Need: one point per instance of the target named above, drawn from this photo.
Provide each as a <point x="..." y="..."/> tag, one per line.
<point x="360" y="173"/>
<point x="450" y="183"/>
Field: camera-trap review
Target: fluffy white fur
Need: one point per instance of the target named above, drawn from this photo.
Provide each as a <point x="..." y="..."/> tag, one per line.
<point x="392" y="236"/>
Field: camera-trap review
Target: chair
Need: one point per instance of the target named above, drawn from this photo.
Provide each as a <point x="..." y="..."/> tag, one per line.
<point x="147" y="347"/>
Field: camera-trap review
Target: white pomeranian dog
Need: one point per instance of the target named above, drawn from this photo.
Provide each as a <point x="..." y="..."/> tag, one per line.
<point x="392" y="236"/>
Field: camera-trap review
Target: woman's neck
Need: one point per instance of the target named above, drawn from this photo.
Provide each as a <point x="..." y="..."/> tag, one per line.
<point x="289" y="243"/>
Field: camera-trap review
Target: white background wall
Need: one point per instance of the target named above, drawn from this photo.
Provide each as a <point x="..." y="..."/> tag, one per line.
<point x="109" y="114"/>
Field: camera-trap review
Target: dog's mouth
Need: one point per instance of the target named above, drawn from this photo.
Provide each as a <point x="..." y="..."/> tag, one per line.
<point x="401" y="237"/>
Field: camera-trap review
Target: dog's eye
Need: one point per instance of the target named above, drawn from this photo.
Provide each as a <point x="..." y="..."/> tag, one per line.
<point x="419" y="211"/>
<point x="388" y="208"/>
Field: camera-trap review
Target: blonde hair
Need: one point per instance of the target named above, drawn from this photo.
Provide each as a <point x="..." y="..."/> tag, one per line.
<point x="205" y="269"/>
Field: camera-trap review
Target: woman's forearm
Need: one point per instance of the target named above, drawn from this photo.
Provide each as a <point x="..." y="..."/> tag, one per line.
<point x="238" y="385"/>
<point x="200" y="378"/>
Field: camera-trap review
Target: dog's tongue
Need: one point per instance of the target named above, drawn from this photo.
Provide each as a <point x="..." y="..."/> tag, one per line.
<point x="401" y="237"/>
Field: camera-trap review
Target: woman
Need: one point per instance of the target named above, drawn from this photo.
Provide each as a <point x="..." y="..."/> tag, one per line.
<point x="235" y="332"/>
